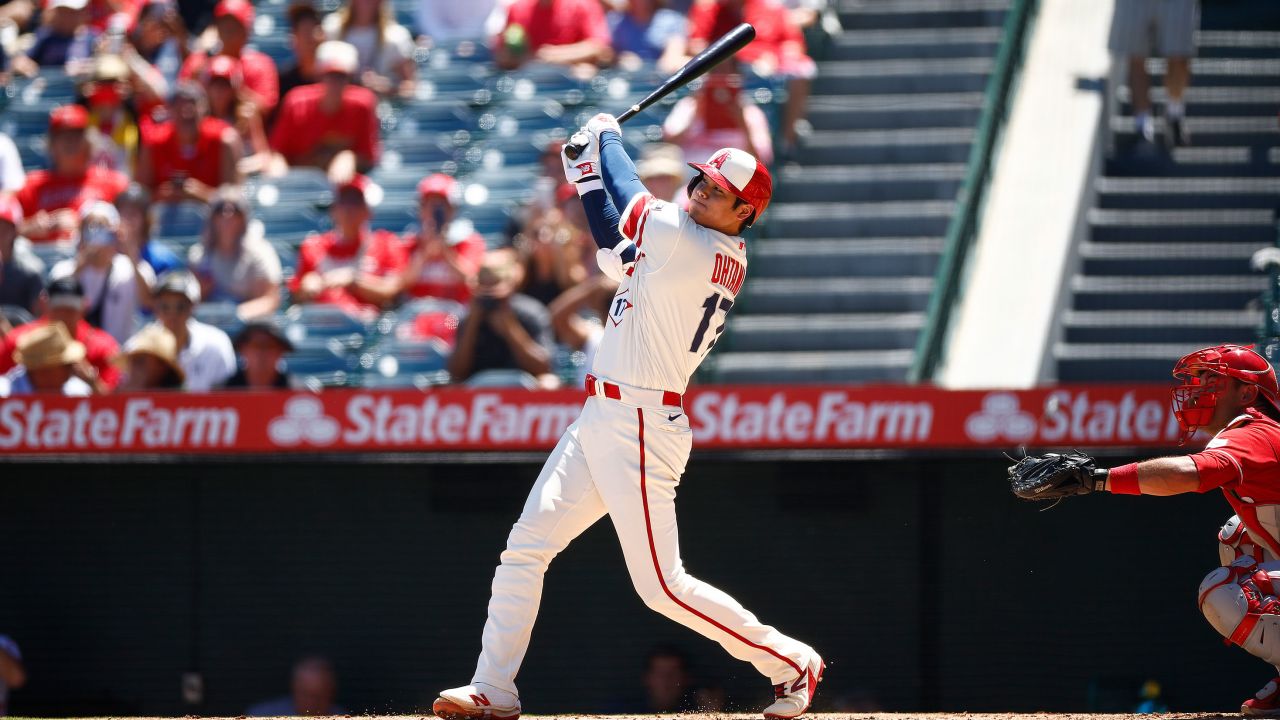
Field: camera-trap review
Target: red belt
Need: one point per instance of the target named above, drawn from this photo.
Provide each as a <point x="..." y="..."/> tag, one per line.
<point x="634" y="396"/>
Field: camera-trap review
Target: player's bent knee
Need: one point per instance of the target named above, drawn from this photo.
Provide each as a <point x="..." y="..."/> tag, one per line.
<point x="1222" y="601"/>
<point x="1240" y="602"/>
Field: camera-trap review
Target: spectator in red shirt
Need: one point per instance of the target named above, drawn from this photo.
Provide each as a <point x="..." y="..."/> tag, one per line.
<point x="444" y="255"/>
<point x="351" y="265"/>
<point x="189" y="156"/>
<point x="562" y="32"/>
<point x="66" y="305"/>
<point x="234" y="21"/>
<point x="51" y="199"/>
<point x="777" y="50"/>
<point x="719" y="115"/>
<point x="331" y="124"/>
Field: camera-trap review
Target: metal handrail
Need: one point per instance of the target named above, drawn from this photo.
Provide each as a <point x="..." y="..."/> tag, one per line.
<point x="965" y="222"/>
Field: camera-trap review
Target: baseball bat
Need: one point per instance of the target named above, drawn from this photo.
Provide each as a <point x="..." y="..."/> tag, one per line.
<point x="716" y="53"/>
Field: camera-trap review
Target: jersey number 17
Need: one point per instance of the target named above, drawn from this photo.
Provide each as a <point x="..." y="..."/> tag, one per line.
<point x="712" y="302"/>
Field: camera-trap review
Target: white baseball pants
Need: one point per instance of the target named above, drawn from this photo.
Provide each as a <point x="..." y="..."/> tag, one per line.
<point x="626" y="462"/>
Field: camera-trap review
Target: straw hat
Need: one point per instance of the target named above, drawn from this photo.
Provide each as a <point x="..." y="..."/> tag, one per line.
<point x="156" y="340"/>
<point x="48" y="346"/>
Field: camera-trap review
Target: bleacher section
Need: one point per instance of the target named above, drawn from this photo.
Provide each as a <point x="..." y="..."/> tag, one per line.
<point x="839" y="285"/>
<point x="1165" y="268"/>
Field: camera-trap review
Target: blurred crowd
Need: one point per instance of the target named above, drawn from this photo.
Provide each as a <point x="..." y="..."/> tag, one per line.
<point x="175" y="106"/>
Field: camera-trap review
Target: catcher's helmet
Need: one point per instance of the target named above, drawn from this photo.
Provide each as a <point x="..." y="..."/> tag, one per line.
<point x="1201" y="374"/>
<point x="740" y="174"/>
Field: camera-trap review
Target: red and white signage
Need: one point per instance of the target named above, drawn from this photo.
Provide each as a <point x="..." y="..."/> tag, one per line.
<point x="723" y="418"/>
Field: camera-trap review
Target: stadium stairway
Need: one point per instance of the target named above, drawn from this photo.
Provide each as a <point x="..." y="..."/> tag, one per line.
<point x="839" y="284"/>
<point x="1165" y="266"/>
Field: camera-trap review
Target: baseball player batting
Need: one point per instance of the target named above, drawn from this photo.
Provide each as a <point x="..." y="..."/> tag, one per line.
<point x="680" y="273"/>
<point x="1230" y="392"/>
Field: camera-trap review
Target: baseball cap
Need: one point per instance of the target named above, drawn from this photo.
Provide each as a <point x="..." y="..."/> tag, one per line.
<point x="239" y="9"/>
<point x="135" y="195"/>
<point x="740" y="174"/>
<point x="263" y="325"/>
<point x="69" y="4"/>
<point x="369" y="191"/>
<point x="102" y="210"/>
<point x="66" y="291"/>
<point x="336" y="56"/>
<point x="441" y="185"/>
<point x="180" y="282"/>
<point x="566" y="191"/>
<point x="68" y="117"/>
<point x="10" y="210"/>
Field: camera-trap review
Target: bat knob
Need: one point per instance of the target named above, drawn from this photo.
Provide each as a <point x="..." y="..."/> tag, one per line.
<point x="576" y="145"/>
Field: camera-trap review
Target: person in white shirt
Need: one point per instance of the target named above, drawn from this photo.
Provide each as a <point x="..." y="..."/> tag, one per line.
<point x="12" y="673"/>
<point x="204" y="352"/>
<point x="46" y="357"/>
<point x="447" y="21"/>
<point x="12" y="176"/>
<point x="115" y="286"/>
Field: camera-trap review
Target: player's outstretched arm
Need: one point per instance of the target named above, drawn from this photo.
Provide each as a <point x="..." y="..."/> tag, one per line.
<point x="1160" y="476"/>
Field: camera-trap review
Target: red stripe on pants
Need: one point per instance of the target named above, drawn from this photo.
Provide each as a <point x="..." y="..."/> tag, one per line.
<point x="657" y="567"/>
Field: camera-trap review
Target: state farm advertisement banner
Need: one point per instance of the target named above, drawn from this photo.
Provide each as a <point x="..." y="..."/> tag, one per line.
<point x="722" y="417"/>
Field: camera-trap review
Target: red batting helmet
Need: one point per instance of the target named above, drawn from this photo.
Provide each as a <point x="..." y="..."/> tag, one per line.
<point x="740" y="174"/>
<point x="1201" y="373"/>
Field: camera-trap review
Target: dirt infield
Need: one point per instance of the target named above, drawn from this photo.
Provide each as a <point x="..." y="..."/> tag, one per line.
<point x="754" y="716"/>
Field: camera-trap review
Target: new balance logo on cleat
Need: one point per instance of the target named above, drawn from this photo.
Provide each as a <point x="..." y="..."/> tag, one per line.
<point x="480" y="700"/>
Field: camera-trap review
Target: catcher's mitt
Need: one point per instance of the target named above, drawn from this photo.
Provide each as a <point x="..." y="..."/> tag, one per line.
<point x="1054" y="477"/>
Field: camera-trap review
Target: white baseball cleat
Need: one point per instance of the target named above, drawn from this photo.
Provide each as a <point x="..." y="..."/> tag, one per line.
<point x="474" y="702"/>
<point x="793" y="698"/>
<point x="1266" y="703"/>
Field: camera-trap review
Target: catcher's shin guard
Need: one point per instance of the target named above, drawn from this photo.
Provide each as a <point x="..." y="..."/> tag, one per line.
<point x="1240" y="601"/>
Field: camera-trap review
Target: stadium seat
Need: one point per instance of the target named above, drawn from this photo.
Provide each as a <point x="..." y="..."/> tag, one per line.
<point x="506" y="378"/>
<point x="179" y="220"/>
<point x="324" y="322"/>
<point x="221" y="315"/>
<point x="15" y="315"/>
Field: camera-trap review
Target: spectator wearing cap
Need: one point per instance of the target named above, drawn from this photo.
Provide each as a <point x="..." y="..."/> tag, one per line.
<point x="719" y="115"/>
<point x="191" y="154"/>
<point x="662" y="169"/>
<point x="305" y="35"/>
<point x="134" y="205"/>
<point x="52" y="199"/>
<point x="384" y="48"/>
<point x="234" y="22"/>
<point x="150" y="361"/>
<point x="107" y="93"/>
<point x="64" y="38"/>
<point x="444" y="255"/>
<point x="560" y="32"/>
<point x="502" y="329"/>
<point x="116" y="286"/>
<point x="261" y="346"/>
<point x="350" y="266"/>
<point x="233" y="261"/>
<point x="646" y="32"/>
<point x="778" y="49"/>
<point x="331" y="124"/>
<point x="46" y="358"/>
<point x="446" y="22"/>
<point x="224" y="84"/>
<point x="159" y="38"/>
<point x="204" y="352"/>
<point x="66" y="306"/>
<point x="20" y="284"/>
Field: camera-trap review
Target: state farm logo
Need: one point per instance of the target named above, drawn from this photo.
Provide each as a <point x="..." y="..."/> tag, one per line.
<point x="303" y="420"/>
<point x="1001" y="417"/>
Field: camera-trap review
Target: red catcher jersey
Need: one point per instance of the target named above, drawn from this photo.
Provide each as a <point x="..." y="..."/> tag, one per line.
<point x="671" y="308"/>
<point x="1244" y="461"/>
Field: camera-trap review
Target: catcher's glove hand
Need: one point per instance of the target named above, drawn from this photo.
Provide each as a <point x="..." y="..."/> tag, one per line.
<point x="1054" y="477"/>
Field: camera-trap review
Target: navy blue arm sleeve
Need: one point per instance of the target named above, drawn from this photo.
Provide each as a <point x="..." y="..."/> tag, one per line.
<point x="603" y="217"/>
<point x="618" y="172"/>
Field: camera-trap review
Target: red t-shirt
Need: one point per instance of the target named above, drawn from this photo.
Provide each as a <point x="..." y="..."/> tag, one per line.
<point x="259" y="72"/>
<point x="437" y="279"/>
<point x="302" y="127"/>
<point x="46" y="191"/>
<point x="99" y="347"/>
<point x="708" y="20"/>
<point x="378" y="253"/>
<point x="559" y="22"/>
<point x="1244" y="461"/>
<point x="170" y="161"/>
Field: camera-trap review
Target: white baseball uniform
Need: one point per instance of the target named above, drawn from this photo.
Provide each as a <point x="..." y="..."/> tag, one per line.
<point x="625" y="453"/>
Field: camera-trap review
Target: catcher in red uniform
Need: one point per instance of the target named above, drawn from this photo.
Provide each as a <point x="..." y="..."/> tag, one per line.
<point x="1230" y="393"/>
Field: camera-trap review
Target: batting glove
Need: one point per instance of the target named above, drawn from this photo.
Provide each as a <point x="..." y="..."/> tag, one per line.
<point x="602" y="122"/>
<point x="584" y="172"/>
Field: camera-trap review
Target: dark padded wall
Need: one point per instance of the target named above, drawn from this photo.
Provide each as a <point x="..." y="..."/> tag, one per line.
<point x="924" y="583"/>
